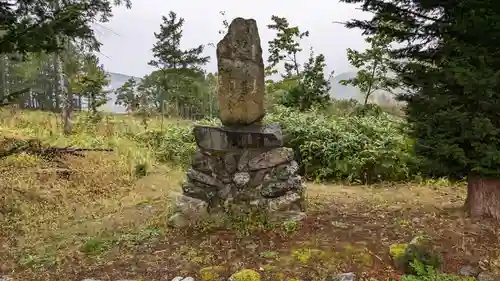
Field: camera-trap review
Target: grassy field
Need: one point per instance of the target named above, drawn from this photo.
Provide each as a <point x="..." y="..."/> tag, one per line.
<point x="74" y="217"/>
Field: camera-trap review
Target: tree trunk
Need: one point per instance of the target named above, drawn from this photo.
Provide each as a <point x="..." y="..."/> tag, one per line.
<point x="483" y="197"/>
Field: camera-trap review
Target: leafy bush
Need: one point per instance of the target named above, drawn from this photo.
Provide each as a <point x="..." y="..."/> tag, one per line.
<point x="428" y="273"/>
<point x="174" y="144"/>
<point x="361" y="148"/>
<point x="355" y="148"/>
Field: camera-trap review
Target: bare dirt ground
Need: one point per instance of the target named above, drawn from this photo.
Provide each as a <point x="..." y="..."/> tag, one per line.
<point x="98" y="223"/>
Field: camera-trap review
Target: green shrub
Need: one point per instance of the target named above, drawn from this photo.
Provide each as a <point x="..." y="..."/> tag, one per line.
<point x="428" y="273"/>
<point x="354" y="148"/>
<point x="174" y="144"/>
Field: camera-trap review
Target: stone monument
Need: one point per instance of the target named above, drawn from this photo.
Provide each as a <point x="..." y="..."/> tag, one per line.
<point x="241" y="166"/>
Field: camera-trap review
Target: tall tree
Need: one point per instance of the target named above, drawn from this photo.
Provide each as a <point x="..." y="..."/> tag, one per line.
<point x="167" y="51"/>
<point x="285" y="47"/>
<point x="451" y="65"/>
<point x="127" y="95"/>
<point x="178" y="70"/>
<point x="92" y="83"/>
<point x="373" y="67"/>
<point x="34" y="26"/>
<point x="313" y="88"/>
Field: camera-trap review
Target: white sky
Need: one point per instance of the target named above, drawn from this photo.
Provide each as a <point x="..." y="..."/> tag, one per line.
<point x="128" y="38"/>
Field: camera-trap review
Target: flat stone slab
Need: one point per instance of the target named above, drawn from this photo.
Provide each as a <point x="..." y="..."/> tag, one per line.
<point x="235" y="139"/>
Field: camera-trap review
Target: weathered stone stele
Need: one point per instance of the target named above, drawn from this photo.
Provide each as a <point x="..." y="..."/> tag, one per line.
<point x="241" y="74"/>
<point x="241" y="167"/>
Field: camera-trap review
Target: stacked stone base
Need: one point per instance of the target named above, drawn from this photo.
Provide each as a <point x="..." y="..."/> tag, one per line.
<point x="241" y="171"/>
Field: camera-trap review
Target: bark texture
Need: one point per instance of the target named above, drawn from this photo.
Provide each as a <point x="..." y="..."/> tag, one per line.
<point x="483" y="197"/>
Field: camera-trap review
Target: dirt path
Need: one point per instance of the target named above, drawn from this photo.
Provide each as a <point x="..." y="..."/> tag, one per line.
<point x="347" y="229"/>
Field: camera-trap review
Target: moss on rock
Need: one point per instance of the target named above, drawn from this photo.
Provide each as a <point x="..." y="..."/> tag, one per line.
<point x="245" y="275"/>
<point x="211" y="273"/>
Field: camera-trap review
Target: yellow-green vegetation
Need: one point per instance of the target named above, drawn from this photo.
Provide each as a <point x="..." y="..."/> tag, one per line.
<point x="212" y="273"/>
<point x="397" y="251"/>
<point x="304" y="255"/>
<point x="108" y="209"/>
<point x="246" y="275"/>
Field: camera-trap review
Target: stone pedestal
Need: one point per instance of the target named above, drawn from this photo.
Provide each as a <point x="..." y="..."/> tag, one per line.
<point x="241" y="170"/>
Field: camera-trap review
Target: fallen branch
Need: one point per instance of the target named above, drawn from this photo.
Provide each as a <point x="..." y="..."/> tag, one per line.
<point x="35" y="147"/>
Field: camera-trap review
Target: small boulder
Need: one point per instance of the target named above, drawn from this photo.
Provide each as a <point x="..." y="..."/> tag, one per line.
<point x="245" y="275"/>
<point x="486" y="276"/>
<point x="468" y="270"/>
<point x="350" y="276"/>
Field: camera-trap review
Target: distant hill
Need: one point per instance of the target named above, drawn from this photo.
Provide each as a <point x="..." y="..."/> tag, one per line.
<point x="116" y="81"/>
<point x="340" y="91"/>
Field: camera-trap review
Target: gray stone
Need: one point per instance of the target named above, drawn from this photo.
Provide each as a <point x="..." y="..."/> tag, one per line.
<point x="202" y="162"/>
<point x="241" y="74"/>
<point x="241" y="178"/>
<point x="190" y="205"/>
<point x="5" y="278"/>
<point x="230" y="162"/>
<point x="271" y="158"/>
<point x="188" y="210"/>
<point x="468" y="270"/>
<point x="180" y="278"/>
<point x="343" y="277"/>
<point x="199" y="190"/>
<point x="236" y="139"/>
<point x="487" y="276"/>
<point x="279" y="188"/>
<point x="289" y="201"/>
<point x="284" y="171"/>
<point x="204" y="178"/>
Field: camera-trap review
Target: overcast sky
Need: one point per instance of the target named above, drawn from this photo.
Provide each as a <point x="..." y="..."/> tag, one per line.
<point x="128" y="38"/>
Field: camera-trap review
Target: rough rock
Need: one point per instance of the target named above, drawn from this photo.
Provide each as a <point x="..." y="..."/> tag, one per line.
<point x="343" y="277"/>
<point x="204" y="178"/>
<point x="188" y="210"/>
<point x="211" y="138"/>
<point x="468" y="270"/>
<point x="5" y="278"/>
<point x="271" y="158"/>
<point x="180" y="278"/>
<point x="241" y="178"/>
<point x="241" y="74"/>
<point x="487" y="276"/>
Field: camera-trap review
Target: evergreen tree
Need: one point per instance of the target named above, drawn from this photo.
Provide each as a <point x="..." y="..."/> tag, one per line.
<point x="34" y="26"/>
<point x="450" y="65"/>
<point x="127" y="95"/>
<point x="179" y="71"/>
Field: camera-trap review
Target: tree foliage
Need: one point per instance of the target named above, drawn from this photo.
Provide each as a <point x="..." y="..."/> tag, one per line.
<point x="450" y="64"/>
<point x="373" y="67"/>
<point x="310" y="86"/>
<point x="34" y="26"/>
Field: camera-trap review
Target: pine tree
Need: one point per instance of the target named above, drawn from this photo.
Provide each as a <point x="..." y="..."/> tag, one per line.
<point x="178" y="69"/>
<point x="450" y="65"/>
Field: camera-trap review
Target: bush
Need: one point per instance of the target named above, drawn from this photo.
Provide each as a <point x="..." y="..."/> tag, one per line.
<point x="174" y="144"/>
<point x="362" y="148"/>
<point x="355" y="148"/>
<point x="428" y="273"/>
